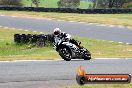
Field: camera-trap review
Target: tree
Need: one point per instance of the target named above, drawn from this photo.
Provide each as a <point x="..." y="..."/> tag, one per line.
<point x="111" y="3"/>
<point x="127" y="5"/>
<point x="94" y="3"/>
<point x="36" y="2"/>
<point x="68" y="3"/>
<point x="11" y="2"/>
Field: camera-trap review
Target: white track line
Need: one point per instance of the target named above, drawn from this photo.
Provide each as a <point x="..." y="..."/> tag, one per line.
<point x="82" y="22"/>
<point x="128" y="43"/>
<point x="120" y="42"/>
<point x="111" y="25"/>
<point x="14" y="16"/>
<point x="90" y="23"/>
<point x="6" y="27"/>
<point x="34" y="31"/>
<point x="72" y="21"/>
<point x="120" y="26"/>
<point x="26" y="30"/>
<point x="13" y="28"/>
<point x="32" y="60"/>
<point x="111" y="41"/>
<point x="58" y="20"/>
<point x="41" y="32"/>
<point x="103" y="40"/>
<point x="61" y="60"/>
<point x="129" y="27"/>
<point x="20" y="29"/>
<point x="2" y="15"/>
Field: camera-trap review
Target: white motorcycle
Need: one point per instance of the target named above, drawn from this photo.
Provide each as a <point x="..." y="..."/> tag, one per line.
<point x="68" y="50"/>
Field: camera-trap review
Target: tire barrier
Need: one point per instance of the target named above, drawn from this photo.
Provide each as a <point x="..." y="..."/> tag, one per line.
<point x="68" y="10"/>
<point x="39" y="39"/>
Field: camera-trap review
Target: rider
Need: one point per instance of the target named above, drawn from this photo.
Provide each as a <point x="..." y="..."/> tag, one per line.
<point x="66" y="36"/>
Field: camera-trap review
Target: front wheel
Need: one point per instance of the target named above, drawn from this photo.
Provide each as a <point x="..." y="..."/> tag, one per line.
<point x="86" y="55"/>
<point x="65" y="53"/>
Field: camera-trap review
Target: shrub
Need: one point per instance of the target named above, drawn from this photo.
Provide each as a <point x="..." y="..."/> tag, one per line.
<point x="11" y="2"/>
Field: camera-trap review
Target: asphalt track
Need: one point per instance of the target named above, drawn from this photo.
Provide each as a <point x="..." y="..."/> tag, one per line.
<point x="94" y="31"/>
<point x="55" y="74"/>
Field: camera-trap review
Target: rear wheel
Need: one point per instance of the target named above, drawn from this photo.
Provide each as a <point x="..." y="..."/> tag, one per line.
<point x="65" y="53"/>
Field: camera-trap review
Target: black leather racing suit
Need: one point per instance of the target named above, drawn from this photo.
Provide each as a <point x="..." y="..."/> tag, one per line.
<point x="67" y="37"/>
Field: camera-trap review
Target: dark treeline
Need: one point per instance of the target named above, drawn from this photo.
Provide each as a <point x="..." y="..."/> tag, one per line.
<point x="75" y="3"/>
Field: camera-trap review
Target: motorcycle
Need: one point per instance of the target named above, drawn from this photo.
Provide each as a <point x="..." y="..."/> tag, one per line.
<point x="68" y="50"/>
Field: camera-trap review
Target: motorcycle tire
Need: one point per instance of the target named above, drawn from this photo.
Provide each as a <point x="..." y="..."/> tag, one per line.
<point x="63" y="51"/>
<point x="17" y="38"/>
<point x="86" y="55"/>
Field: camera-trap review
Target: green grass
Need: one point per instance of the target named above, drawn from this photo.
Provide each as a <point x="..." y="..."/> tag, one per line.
<point x="11" y="51"/>
<point x="85" y="5"/>
<point x="114" y="19"/>
<point x="104" y="86"/>
<point x="106" y="49"/>
<point x="53" y="3"/>
<point x="43" y="3"/>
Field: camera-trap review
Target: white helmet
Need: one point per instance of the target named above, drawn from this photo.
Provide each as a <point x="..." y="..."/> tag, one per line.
<point x="57" y="31"/>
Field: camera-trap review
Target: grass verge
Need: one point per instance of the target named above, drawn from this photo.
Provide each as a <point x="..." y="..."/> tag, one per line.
<point x="104" y="86"/>
<point x="113" y="19"/>
<point x="11" y="51"/>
